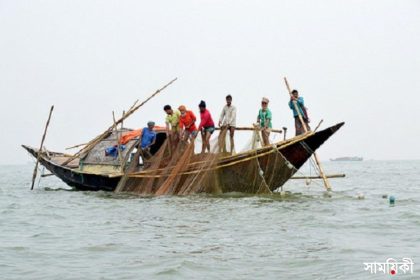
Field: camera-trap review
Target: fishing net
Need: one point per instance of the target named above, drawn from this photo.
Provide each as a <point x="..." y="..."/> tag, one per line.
<point x="179" y="168"/>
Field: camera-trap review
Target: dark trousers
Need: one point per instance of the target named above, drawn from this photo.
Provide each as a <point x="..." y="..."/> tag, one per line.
<point x="299" y="128"/>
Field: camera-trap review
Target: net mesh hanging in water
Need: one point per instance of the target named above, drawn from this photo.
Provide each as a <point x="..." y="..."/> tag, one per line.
<point x="176" y="169"/>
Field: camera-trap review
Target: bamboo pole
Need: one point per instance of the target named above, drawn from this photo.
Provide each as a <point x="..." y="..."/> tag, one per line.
<point x="106" y="133"/>
<point x="232" y="160"/>
<point x="319" y="177"/>
<point x="76" y="146"/>
<point x="321" y="171"/>
<point x="251" y="129"/>
<point x="40" y="148"/>
<point x="118" y="140"/>
<point x="133" y="164"/>
<point x="316" y="128"/>
<point x="238" y="158"/>
<point x="217" y="128"/>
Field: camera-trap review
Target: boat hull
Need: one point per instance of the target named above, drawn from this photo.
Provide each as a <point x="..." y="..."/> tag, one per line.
<point x="276" y="165"/>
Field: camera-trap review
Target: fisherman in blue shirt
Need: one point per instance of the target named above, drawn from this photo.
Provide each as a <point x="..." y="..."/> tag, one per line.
<point x="302" y="111"/>
<point x="148" y="137"/>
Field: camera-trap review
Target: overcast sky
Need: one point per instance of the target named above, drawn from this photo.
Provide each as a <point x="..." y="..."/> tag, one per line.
<point x="353" y="61"/>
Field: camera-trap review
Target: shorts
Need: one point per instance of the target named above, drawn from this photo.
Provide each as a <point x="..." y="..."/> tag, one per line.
<point x="192" y="133"/>
<point x="209" y="129"/>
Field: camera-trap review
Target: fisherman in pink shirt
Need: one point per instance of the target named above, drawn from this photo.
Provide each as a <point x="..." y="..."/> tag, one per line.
<point x="206" y="126"/>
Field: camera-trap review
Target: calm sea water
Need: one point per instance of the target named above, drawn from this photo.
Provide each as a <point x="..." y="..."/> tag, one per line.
<point x="53" y="233"/>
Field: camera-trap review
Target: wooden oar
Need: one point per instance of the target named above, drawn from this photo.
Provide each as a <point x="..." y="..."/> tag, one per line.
<point x="40" y="148"/>
<point x="305" y="128"/>
<point x="107" y="132"/>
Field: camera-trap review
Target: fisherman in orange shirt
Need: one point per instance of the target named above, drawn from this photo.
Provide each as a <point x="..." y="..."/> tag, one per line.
<point x="187" y="124"/>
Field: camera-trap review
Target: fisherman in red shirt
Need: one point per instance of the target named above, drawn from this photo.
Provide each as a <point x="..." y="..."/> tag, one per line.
<point x="187" y="124"/>
<point x="206" y="126"/>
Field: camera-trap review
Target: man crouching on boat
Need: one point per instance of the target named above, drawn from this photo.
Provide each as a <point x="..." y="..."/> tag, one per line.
<point x="187" y="127"/>
<point x="172" y="125"/>
<point x="148" y="139"/>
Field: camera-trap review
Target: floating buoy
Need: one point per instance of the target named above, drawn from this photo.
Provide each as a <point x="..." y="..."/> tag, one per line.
<point x="392" y="200"/>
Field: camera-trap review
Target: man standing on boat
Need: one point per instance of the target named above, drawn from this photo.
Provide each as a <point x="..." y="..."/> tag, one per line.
<point x="227" y="121"/>
<point x="302" y="111"/>
<point x="187" y="126"/>
<point x="206" y="126"/>
<point x="148" y="139"/>
<point x="264" y="120"/>
<point x="172" y="124"/>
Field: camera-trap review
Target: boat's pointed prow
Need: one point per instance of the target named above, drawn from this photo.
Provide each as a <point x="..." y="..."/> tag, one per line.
<point x="316" y="140"/>
<point x="30" y="150"/>
<point x="337" y="127"/>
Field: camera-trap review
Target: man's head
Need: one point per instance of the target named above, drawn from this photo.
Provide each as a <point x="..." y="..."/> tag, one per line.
<point x="202" y="106"/>
<point x="295" y="93"/>
<point x="182" y="109"/>
<point x="264" y="102"/>
<point x="168" y="109"/>
<point x="151" y="125"/>
<point x="229" y="100"/>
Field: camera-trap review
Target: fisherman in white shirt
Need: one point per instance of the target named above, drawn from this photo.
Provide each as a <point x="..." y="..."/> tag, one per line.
<point x="228" y="121"/>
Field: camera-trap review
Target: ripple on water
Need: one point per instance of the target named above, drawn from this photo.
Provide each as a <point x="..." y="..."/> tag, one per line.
<point x="54" y="233"/>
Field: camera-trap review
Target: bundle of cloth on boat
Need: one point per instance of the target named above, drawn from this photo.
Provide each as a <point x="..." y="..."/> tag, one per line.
<point x="126" y="138"/>
<point x="113" y="151"/>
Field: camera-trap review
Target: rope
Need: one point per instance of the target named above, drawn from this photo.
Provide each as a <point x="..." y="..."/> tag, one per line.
<point x="297" y="171"/>
<point x="263" y="182"/>
<point x="42" y="173"/>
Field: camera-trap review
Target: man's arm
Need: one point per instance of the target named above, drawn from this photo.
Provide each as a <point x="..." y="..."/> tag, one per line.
<point x="291" y="104"/>
<point x="300" y="101"/>
<point x="268" y="118"/>
<point x="153" y="142"/>
<point x="222" y="116"/>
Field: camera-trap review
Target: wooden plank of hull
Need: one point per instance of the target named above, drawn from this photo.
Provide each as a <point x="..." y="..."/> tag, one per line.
<point x="234" y="178"/>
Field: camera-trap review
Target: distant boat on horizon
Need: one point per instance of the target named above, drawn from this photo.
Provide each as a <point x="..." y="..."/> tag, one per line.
<point x="347" y="159"/>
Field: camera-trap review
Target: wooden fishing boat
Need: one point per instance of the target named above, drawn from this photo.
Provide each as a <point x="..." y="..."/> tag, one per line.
<point x="276" y="164"/>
